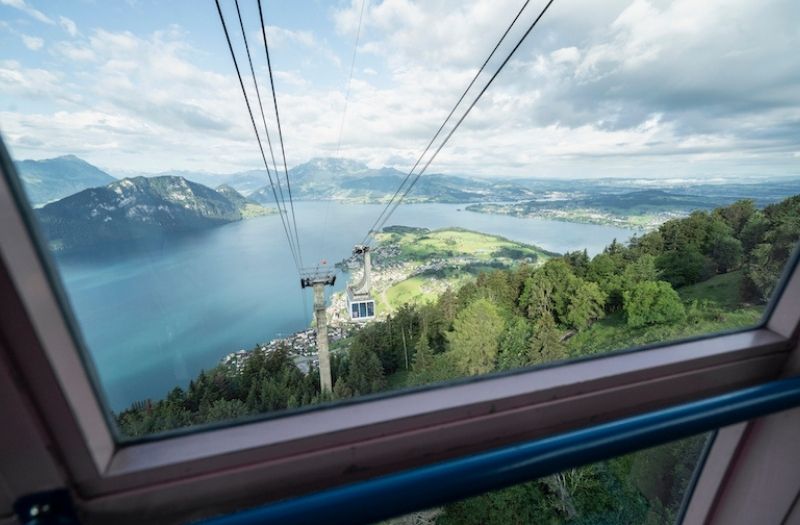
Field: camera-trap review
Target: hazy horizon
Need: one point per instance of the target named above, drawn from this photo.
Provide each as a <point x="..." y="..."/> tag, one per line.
<point x="655" y="181"/>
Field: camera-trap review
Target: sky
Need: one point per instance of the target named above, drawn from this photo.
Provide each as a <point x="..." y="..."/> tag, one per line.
<point x="628" y="88"/>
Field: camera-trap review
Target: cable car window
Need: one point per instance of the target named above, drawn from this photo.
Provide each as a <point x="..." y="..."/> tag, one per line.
<point x="649" y="486"/>
<point x="193" y="263"/>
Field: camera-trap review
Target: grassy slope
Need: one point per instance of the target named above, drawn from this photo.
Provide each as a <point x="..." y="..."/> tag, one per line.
<point x="454" y="242"/>
<point x="251" y="210"/>
<point x="450" y="243"/>
<point x="725" y="313"/>
<point x="720" y="289"/>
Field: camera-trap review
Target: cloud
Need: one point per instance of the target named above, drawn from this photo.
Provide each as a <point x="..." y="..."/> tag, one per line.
<point x="624" y="87"/>
<point x="281" y="37"/>
<point x="26" y="8"/>
<point x="130" y="100"/>
<point x="33" y="43"/>
<point x="17" y="81"/>
<point x="68" y="25"/>
<point x="73" y="51"/>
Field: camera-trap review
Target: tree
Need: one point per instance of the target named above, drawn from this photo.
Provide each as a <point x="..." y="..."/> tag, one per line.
<point x="774" y="243"/>
<point x="537" y="296"/>
<point x="653" y="302"/>
<point x="602" y="267"/>
<point x="585" y="305"/>
<point x="753" y="231"/>
<point x="643" y="268"/>
<point x="651" y="243"/>
<point x="495" y="286"/>
<point x="545" y="343"/>
<point x="579" y="261"/>
<point x="737" y="214"/>
<point x="726" y="252"/>
<point x="474" y="340"/>
<point x="341" y="390"/>
<point x="224" y="410"/>
<point x="366" y="373"/>
<point x="684" y="266"/>
<point x="514" y="345"/>
<point x="423" y="355"/>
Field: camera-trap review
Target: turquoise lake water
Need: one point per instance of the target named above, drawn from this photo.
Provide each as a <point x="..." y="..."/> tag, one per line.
<point x="153" y="316"/>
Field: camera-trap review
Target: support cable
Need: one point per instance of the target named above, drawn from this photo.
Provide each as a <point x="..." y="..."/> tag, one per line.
<point x="258" y="137"/>
<point x="280" y="132"/>
<point x="394" y="202"/>
<point x="350" y="78"/>
<point x="260" y="105"/>
<point x="344" y="111"/>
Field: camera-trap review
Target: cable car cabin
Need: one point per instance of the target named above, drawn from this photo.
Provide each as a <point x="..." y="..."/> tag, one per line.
<point x="360" y="303"/>
<point x="360" y="309"/>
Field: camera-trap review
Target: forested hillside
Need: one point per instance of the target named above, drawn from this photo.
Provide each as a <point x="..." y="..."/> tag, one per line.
<point x="708" y="272"/>
<point x="137" y="209"/>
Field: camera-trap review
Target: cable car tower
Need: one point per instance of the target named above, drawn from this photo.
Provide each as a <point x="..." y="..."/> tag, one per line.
<point x="360" y="304"/>
<point x="318" y="280"/>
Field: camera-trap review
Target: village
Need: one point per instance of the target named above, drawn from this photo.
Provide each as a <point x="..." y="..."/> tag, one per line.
<point x="392" y="263"/>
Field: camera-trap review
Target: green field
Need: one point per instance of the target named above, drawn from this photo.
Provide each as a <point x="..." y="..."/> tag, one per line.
<point x="724" y="290"/>
<point x="251" y="210"/>
<point x="459" y="256"/>
<point x="422" y="245"/>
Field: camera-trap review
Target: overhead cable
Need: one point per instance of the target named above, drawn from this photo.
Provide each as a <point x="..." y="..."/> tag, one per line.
<point x="395" y="202"/>
<point x="280" y="131"/>
<point x="258" y="137"/>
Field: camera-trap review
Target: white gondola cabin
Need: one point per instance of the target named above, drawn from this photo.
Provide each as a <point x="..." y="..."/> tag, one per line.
<point x="360" y="304"/>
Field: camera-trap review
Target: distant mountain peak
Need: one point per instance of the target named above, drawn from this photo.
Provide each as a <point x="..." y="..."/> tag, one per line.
<point x="338" y="164"/>
<point x="48" y="180"/>
<point x="69" y="157"/>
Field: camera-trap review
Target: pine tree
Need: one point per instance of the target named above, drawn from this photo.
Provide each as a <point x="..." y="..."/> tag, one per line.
<point x="423" y="355"/>
<point x="546" y="345"/>
<point x="474" y="340"/>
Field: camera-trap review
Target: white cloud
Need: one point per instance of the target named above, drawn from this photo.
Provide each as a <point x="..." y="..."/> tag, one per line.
<point x="18" y="81"/>
<point x="33" y="43"/>
<point x="68" y="25"/>
<point x="281" y="38"/>
<point x="73" y="51"/>
<point x="28" y="9"/>
<point x="619" y="87"/>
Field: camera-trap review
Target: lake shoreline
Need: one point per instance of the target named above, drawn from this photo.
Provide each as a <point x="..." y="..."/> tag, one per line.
<point x="153" y="316"/>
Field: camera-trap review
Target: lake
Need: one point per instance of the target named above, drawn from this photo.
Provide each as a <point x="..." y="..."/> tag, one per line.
<point x="154" y="316"/>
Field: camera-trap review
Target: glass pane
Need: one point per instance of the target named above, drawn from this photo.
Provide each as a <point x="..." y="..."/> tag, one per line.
<point x="646" y="487"/>
<point x="616" y="186"/>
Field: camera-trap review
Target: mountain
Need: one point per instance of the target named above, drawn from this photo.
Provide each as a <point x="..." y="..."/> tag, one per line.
<point x="344" y="179"/>
<point x="137" y="208"/>
<point x="248" y="207"/>
<point x="246" y="182"/>
<point x="52" y="179"/>
<point x="324" y="178"/>
<point x="232" y="195"/>
<point x="644" y="201"/>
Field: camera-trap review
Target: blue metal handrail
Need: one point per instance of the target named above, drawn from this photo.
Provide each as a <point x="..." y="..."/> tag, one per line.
<point x="434" y="485"/>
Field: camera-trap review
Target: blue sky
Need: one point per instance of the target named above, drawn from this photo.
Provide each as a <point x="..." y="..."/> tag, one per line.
<point x="644" y="88"/>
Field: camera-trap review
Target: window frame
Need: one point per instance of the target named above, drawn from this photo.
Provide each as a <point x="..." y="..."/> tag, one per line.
<point x="219" y="469"/>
